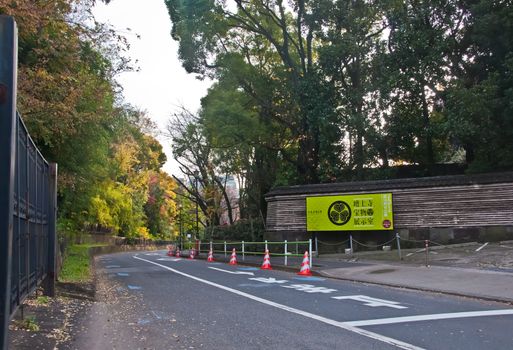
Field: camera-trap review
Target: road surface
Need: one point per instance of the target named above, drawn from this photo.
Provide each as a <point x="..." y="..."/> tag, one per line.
<point x="150" y="301"/>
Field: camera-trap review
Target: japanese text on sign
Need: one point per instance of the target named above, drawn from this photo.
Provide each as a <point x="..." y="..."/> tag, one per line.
<point x="362" y="212"/>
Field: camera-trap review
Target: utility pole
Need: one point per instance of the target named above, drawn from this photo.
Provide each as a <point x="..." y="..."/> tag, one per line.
<point x="196" y="174"/>
<point x="180" y="228"/>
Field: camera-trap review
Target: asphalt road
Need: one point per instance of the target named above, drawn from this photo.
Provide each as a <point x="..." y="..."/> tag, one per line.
<point x="151" y="301"/>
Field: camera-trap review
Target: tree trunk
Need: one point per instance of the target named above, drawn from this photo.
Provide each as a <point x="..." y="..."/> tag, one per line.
<point x="427" y="126"/>
<point x="308" y="157"/>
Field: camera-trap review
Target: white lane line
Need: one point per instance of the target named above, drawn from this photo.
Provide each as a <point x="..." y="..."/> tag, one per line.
<point x="342" y="325"/>
<point x="432" y="317"/>
<point x="481" y="247"/>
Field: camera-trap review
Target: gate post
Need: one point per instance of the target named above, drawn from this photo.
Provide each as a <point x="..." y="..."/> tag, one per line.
<point x="8" y="73"/>
<point x="51" y="275"/>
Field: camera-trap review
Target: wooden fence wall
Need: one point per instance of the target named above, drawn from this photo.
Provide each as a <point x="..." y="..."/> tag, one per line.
<point x="426" y="203"/>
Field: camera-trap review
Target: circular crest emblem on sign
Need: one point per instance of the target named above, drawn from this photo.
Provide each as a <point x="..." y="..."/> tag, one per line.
<point x="339" y="213"/>
<point x="387" y="223"/>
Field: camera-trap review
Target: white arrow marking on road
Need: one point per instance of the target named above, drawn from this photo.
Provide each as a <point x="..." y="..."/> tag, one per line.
<point x="372" y="302"/>
<point x="268" y="280"/>
<point x="233" y="272"/>
<point x="309" y="288"/>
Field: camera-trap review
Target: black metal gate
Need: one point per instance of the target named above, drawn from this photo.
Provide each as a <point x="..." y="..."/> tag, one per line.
<point x="27" y="197"/>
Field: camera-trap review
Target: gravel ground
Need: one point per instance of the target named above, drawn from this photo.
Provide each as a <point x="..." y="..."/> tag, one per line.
<point x="493" y="256"/>
<point x="49" y="324"/>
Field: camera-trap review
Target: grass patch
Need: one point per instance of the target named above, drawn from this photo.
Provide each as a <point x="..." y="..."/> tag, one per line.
<point x="42" y="300"/>
<point x="76" y="265"/>
<point x="29" y="324"/>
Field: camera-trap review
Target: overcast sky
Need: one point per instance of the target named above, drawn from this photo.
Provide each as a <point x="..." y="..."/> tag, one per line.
<point x="161" y="84"/>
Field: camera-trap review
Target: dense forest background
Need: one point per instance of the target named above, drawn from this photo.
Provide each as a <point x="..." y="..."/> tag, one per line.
<point x="304" y="92"/>
<point x="343" y="90"/>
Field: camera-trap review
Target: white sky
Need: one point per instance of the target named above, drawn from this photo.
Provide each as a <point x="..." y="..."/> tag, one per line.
<point x="162" y="84"/>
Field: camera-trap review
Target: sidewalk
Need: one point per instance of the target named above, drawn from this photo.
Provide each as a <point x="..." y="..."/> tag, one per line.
<point x="482" y="284"/>
<point x="483" y="271"/>
<point x="466" y="270"/>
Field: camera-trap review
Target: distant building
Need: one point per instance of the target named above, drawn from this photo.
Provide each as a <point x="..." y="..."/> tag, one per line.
<point x="232" y="191"/>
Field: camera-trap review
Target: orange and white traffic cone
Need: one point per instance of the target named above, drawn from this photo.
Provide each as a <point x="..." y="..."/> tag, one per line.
<point x="210" y="257"/>
<point x="192" y="254"/>
<point x="233" y="258"/>
<point x="305" y="266"/>
<point x="177" y="254"/>
<point x="169" y="250"/>
<point x="267" y="261"/>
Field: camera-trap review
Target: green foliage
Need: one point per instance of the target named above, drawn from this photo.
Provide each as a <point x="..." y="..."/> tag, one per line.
<point x="29" y="323"/>
<point x="160" y="208"/>
<point x="76" y="263"/>
<point x="42" y="300"/>
<point x="329" y="90"/>
<point x="71" y="104"/>
<point x="249" y="230"/>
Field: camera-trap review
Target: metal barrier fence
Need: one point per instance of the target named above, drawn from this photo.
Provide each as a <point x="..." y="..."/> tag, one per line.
<point x="283" y="249"/>
<point x="28" y="192"/>
<point x="33" y="217"/>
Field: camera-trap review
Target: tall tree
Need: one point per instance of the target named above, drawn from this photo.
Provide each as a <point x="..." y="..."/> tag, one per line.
<point x="350" y="41"/>
<point x="210" y="30"/>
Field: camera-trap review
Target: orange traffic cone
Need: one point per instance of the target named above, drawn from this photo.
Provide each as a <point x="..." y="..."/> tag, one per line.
<point x="210" y="256"/>
<point x="169" y="250"/>
<point x="192" y="254"/>
<point x="305" y="266"/>
<point x="233" y="258"/>
<point x="177" y="252"/>
<point x="267" y="262"/>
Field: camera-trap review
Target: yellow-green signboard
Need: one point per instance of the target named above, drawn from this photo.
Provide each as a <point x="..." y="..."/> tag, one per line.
<point x="359" y="212"/>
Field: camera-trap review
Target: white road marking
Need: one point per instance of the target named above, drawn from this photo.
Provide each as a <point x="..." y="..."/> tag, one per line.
<point x="156" y="315"/>
<point x="169" y="259"/>
<point x="341" y="325"/>
<point x="481" y="247"/>
<point x="268" y="280"/>
<point x="233" y="272"/>
<point x="310" y="288"/>
<point x="372" y="302"/>
<point x="432" y="317"/>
